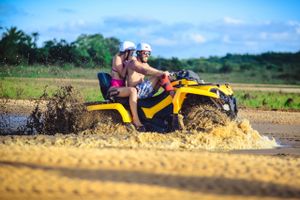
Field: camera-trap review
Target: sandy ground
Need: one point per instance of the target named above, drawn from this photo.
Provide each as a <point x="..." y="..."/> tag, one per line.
<point x="70" y="173"/>
<point x="154" y="166"/>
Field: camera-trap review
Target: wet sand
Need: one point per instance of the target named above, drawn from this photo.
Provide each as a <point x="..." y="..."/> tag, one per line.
<point x="283" y="126"/>
<point x="72" y="173"/>
<point x="234" y="162"/>
<point x="33" y="172"/>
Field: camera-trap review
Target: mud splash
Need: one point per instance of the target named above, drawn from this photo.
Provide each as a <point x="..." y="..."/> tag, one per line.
<point x="64" y="113"/>
<point x="235" y="135"/>
<point x="64" y="121"/>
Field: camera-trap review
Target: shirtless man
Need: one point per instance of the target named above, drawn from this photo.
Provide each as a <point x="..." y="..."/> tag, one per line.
<point x="137" y="69"/>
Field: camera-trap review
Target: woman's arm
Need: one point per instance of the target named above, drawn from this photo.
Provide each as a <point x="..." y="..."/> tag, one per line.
<point x="124" y="70"/>
<point x="117" y="65"/>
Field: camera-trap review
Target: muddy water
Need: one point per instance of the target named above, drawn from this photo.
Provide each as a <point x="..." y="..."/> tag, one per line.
<point x="235" y="135"/>
<point x="63" y="121"/>
<point x="12" y="124"/>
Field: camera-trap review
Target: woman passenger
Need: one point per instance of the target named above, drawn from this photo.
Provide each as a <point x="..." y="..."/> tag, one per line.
<point x="118" y="85"/>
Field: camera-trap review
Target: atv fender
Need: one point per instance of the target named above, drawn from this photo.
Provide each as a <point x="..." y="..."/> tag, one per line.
<point x="182" y="92"/>
<point x="112" y="106"/>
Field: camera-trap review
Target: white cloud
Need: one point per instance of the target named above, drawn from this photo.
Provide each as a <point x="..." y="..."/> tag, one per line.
<point x="263" y="35"/>
<point x="295" y="25"/>
<point x="251" y="43"/>
<point x="226" y="39"/>
<point x="277" y="36"/>
<point x="67" y="11"/>
<point x="198" y="38"/>
<point x="74" y="25"/>
<point x="163" y="42"/>
<point x="142" y="33"/>
<point x="281" y="36"/>
<point x="230" y="20"/>
<point x="217" y="38"/>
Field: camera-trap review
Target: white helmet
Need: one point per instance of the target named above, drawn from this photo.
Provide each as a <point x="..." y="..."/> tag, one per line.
<point x="126" y="45"/>
<point x="143" y="47"/>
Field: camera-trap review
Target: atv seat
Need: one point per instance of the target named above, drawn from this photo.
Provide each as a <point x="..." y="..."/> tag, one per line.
<point x="104" y="83"/>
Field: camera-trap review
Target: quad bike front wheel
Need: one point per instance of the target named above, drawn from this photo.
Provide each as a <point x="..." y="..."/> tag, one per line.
<point x="203" y="118"/>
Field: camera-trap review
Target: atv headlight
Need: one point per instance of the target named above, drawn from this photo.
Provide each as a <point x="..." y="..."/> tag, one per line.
<point x="226" y="107"/>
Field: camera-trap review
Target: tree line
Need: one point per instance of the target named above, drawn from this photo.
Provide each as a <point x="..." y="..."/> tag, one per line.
<point x="94" y="51"/>
<point x="17" y="47"/>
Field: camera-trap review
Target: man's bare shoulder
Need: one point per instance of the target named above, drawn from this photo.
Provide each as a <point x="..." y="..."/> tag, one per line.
<point x="134" y="63"/>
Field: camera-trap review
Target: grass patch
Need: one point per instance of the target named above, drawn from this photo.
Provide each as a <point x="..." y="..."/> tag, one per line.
<point x="69" y="71"/>
<point x="258" y="77"/>
<point x="268" y="100"/>
<point x="40" y="71"/>
<point x="33" y="88"/>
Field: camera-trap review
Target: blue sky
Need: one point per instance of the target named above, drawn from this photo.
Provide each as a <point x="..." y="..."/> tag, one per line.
<point x="174" y="28"/>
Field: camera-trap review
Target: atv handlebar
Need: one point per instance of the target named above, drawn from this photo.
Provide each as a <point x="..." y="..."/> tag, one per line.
<point x="185" y="74"/>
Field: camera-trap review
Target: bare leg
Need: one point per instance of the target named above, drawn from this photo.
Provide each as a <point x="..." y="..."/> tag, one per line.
<point x="154" y="81"/>
<point x="133" y="107"/>
<point x="132" y="94"/>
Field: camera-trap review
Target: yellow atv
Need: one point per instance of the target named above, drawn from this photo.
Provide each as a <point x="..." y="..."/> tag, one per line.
<point x="193" y="104"/>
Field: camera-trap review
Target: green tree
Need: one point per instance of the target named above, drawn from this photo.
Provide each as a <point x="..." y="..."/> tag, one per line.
<point x="94" y="50"/>
<point x="54" y="52"/>
<point x="15" y="47"/>
<point x="226" y="68"/>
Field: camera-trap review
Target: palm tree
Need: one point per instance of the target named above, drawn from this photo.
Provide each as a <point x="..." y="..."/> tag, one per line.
<point x="15" y="46"/>
<point x="14" y="35"/>
<point x="35" y="36"/>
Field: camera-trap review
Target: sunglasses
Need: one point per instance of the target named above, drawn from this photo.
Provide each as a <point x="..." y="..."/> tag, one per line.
<point x="146" y="53"/>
